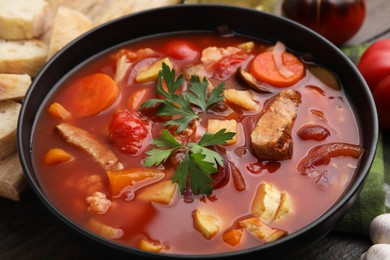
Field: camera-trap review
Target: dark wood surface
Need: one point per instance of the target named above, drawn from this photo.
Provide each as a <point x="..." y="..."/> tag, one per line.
<point x="29" y="231"/>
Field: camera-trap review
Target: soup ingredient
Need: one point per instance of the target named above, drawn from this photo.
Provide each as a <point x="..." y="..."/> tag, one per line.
<point x="252" y="82"/>
<point x="161" y="192"/>
<point x="380" y="229"/>
<point x="228" y="65"/>
<point x="150" y="246"/>
<point x="92" y="94"/>
<point x="104" y="230"/>
<point x="216" y="125"/>
<point x="208" y="225"/>
<point x="98" y="203"/>
<point x="278" y="67"/>
<point x="322" y="154"/>
<point x="271" y="138"/>
<point x="56" y="156"/>
<point x="241" y="98"/>
<point x="151" y="72"/>
<point x="128" y="131"/>
<point x="129" y="180"/>
<point x="179" y="105"/>
<point x="57" y="110"/>
<point x="180" y="50"/>
<point x="338" y="21"/>
<point x="86" y="142"/>
<point x="198" y="161"/>
<point x="377" y="252"/>
<point x="261" y="231"/>
<point x="326" y="76"/>
<point x="313" y="132"/>
<point x="233" y="236"/>
<point x="374" y="65"/>
<point x="270" y="204"/>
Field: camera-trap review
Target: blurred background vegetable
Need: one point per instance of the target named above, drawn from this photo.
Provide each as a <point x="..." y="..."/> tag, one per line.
<point x="338" y="21"/>
<point x="374" y="65"/>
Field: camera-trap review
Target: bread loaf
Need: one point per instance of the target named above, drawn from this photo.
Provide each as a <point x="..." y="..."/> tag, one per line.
<point x="14" y="86"/>
<point x="22" y="57"/>
<point x="22" y="19"/>
<point x="9" y="113"/>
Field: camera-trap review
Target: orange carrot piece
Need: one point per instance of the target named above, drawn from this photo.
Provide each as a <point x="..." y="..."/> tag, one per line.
<point x="150" y="246"/>
<point x="119" y="180"/>
<point x="92" y="94"/>
<point x="57" y="110"/>
<point x="264" y="69"/>
<point x="56" y="156"/>
<point x="232" y="237"/>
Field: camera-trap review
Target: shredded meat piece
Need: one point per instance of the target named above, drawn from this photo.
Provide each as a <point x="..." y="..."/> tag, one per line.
<point x="85" y="141"/>
<point x="271" y="138"/>
<point x="98" y="203"/>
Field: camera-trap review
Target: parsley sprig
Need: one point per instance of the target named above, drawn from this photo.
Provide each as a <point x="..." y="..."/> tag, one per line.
<point x="199" y="161"/>
<point x="179" y="105"/>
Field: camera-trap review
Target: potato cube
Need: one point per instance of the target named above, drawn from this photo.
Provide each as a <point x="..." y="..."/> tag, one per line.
<point x="149" y="246"/>
<point x="266" y="202"/>
<point x="260" y="230"/>
<point x="161" y="192"/>
<point x="247" y="46"/>
<point x="151" y="72"/>
<point x="207" y="225"/>
<point x="215" y="125"/>
<point x="241" y="98"/>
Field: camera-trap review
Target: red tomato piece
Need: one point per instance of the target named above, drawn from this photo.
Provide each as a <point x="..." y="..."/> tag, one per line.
<point x="180" y="50"/>
<point x="128" y="131"/>
<point x="228" y="65"/>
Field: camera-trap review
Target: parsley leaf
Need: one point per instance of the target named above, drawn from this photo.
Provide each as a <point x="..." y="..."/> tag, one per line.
<point x="218" y="138"/>
<point x="198" y="164"/>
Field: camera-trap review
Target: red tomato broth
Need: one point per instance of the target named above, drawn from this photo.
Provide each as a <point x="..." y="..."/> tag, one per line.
<point x="172" y="224"/>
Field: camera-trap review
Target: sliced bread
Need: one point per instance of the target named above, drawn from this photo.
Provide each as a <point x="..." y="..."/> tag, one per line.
<point x="14" y="86"/>
<point x="68" y="24"/>
<point x="9" y="113"/>
<point x="22" y="19"/>
<point x="22" y="57"/>
<point x="12" y="181"/>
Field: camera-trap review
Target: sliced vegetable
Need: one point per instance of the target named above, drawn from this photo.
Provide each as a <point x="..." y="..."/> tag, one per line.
<point x="326" y="76"/>
<point x="180" y="50"/>
<point x="150" y="246"/>
<point x="57" y="110"/>
<point x="241" y="98"/>
<point x="261" y="231"/>
<point x="56" y="156"/>
<point x="265" y="68"/>
<point x="228" y="65"/>
<point x="161" y="192"/>
<point x="322" y="154"/>
<point x="233" y="236"/>
<point x="208" y="225"/>
<point x="251" y="82"/>
<point x="151" y="73"/>
<point x="92" y="94"/>
<point x="216" y="125"/>
<point x="129" y="180"/>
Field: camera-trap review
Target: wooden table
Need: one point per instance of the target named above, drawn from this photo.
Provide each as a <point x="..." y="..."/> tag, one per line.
<point x="29" y="231"/>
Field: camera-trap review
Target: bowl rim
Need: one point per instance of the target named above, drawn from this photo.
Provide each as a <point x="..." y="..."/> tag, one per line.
<point x="347" y="198"/>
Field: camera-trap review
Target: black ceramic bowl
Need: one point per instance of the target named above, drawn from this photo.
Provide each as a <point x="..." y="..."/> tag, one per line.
<point x="184" y="18"/>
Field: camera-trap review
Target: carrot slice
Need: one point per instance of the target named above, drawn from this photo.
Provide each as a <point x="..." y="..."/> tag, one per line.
<point x="56" y="156"/>
<point x="92" y="94"/>
<point x="264" y="68"/>
<point x="57" y="110"/>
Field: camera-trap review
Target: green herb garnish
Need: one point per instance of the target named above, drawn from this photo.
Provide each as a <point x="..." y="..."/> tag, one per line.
<point x="180" y="104"/>
<point x="199" y="161"/>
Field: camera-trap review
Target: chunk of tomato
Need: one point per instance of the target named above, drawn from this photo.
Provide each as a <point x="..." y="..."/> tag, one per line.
<point x="180" y="50"/>
<point x="128" y="131"/>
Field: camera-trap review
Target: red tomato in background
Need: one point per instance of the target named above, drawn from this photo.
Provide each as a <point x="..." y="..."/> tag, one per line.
<point x="338" y="21"/>
<point x="180" y="50"/>
<point x="374" y="65"/>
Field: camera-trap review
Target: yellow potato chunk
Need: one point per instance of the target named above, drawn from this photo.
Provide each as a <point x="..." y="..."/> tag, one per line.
<point x="151" y="72"/>
<point x="149" y="246"/>
<point x="161" y="192"/>
<point x="261" y="231"/>
<point x="247" y="46"/>
<point x="207" y="225"/>
<point x="266" y="202"/>
<point x="215" y="125"/>
<point x="241" y="98"/>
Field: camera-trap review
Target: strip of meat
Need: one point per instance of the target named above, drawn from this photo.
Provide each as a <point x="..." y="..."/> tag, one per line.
<point x="85" y="141"/>
<point x="271" y="138"/>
